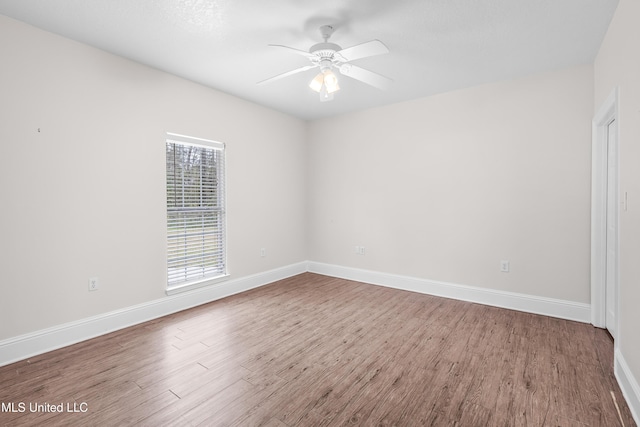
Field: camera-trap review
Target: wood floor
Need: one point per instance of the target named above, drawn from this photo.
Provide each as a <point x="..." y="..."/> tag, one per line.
<point x="318" y="351"/>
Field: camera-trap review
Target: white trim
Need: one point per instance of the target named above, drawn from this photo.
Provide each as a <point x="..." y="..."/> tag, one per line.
<point x="628" y="385"/>
<point x="28" y="345"/>
<point x="200" y="283"/>
<point x="528" y="303"/>
<point x="192" y="140"/>
<point x="606" y="114"/>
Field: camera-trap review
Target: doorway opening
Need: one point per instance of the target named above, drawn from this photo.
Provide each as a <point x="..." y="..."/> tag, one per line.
<point x="605" y="210"/>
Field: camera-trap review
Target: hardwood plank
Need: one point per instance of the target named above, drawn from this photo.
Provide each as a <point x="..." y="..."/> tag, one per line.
<point x="473" y="415"/>
<point x="138" y="407"/>
<point x="393" y="405"/>
<point x="359" y="409"/>
<point x="491" y="378"/>
<point x="216" y="403"/>
<point x="336" y="389"/>
<point x="452" y="399"/>
<point x="424" y="406"/>
<point x="276" y="406"/>
<point x="576" y="397"/>
<point x="555" y="420"/>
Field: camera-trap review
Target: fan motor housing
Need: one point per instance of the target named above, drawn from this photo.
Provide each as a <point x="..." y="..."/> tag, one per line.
<point x="324" y="50"/>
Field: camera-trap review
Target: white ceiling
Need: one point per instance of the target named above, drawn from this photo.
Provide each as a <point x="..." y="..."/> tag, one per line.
<point x="436" y="45"/>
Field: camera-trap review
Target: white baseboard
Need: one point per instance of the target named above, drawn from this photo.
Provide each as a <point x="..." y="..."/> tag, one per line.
<point x="628" y="385"/>
<point x="28" y="345"/>
<point x="531" y="304"/>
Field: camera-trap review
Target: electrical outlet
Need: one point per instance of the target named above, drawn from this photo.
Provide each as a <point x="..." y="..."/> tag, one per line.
<point x="263" y="252"/>
<point x="94" y="284"/>
<point x="504" y="266"/>
<point x="361" y="250"/>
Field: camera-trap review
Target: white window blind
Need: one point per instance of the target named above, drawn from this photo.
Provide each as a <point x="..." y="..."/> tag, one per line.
<point x="195" y="210"/>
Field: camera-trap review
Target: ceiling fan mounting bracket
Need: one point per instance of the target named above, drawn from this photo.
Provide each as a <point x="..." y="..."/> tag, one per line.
<point x="325" y="50"/>
<point x="326" y="31"/>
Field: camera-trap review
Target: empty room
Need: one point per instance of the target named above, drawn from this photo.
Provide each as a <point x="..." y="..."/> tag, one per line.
<point x="244" y="213"/>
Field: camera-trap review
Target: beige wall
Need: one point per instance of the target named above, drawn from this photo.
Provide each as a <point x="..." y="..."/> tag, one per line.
<point x="618" y="64"/>
<point x="82" y="178"/>
<point x="443" y="188"/>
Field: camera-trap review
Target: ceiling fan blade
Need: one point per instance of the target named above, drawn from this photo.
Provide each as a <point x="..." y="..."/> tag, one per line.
<point x="363" y="50"/>
<point x="294" y="50"/>
<point x="365" y="76"/>
<point x="288" y="73"/>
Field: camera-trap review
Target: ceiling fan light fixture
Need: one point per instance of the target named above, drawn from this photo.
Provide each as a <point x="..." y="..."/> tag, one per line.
<point x="317" y="82"/>
<point x="330" y="81"/>
<point x="326" y="84"/>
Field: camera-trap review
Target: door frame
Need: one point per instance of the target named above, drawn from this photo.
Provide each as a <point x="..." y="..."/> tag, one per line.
<point x="608" y="112"/>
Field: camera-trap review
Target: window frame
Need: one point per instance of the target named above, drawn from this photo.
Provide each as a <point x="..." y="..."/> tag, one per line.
<point x="205" y="280"/>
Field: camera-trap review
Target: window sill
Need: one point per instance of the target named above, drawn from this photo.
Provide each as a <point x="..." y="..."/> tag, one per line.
<point x="185" y="287"/>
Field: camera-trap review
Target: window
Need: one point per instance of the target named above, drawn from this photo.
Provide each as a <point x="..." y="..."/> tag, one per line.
<point x="196" y="252"/>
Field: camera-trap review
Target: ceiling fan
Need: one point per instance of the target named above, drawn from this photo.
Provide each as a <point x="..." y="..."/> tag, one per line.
<point x="329" y="57"/>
